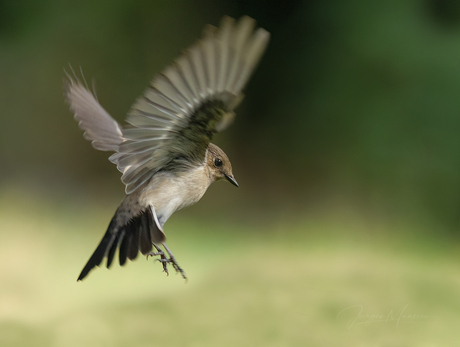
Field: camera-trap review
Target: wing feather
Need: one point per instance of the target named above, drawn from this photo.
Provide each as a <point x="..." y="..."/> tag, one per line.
<point x="162" y="100"/>
<point x="224" y="46"/>
<point x="193" y="59"/>
<point x="255" y="49"/>
<point x="100" y="128"/>
<point x="210" y="58"/>
<point x="175" y="77"/>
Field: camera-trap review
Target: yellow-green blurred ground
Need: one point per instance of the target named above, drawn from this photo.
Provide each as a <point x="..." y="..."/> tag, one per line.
<point x="325" y="281"/>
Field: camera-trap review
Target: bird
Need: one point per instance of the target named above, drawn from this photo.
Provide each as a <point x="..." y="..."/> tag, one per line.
<point x="164" y="152"/>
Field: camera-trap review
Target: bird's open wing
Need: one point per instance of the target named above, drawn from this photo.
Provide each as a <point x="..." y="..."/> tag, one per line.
<point x="189" y="101"/>
<point x="100" y="128"/>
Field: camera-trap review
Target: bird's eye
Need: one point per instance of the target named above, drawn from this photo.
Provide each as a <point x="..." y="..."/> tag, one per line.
<point x="217" y="162"/>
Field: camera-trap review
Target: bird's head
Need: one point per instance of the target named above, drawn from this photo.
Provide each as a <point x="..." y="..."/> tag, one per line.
<point x="219" y="165"/>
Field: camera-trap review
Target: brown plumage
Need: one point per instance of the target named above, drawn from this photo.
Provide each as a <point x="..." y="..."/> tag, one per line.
<point x="219" y="165"/>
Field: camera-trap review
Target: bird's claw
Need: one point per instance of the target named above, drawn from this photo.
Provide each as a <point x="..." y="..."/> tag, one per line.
<point x="164" y="260"/>
<point x="154" y="254"/>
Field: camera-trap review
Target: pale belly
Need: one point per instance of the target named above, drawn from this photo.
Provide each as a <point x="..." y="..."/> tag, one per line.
<point x="169" y="193"/>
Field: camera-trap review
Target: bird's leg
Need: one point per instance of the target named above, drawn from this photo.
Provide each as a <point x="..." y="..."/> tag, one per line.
<point x="174" y="263"/>
<point x="164" y="260"/>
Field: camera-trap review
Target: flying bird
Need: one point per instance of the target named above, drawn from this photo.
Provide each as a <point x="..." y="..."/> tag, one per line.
<point x="165" y="152"/>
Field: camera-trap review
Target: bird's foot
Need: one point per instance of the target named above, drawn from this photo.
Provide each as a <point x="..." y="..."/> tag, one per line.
<point x="164" y="260"/>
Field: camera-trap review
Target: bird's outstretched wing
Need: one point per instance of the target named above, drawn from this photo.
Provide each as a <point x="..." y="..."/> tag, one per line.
<point x="100" y="128"/>
<point x="184" y="106"/>
<point x="189" y="101"/>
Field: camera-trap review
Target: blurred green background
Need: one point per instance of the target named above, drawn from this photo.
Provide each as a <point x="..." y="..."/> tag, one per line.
<point x="345" y="228"/>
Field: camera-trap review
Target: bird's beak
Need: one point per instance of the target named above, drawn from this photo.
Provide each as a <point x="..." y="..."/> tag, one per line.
<point x="232" y="180"/>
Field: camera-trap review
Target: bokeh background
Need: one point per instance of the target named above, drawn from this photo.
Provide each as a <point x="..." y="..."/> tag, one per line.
<point x="345" y="228"/>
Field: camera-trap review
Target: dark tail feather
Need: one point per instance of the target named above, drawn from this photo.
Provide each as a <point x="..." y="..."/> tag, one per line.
<point x="129" y="235"/>
<point x="109" y="240"/>
<point x="133" y="228"/>
<point x="124" y="247"/>
<point x="111" y="252"/>
<point x="145" y="241"/>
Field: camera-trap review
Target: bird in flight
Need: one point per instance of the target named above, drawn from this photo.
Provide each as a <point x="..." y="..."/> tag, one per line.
<point x="165" y="152"/>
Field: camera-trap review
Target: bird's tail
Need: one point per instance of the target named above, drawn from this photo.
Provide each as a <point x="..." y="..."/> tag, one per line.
<point x="131" y="233"/>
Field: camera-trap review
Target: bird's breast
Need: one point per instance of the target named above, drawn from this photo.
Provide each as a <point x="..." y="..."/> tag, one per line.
<point x="169" y="192"/>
